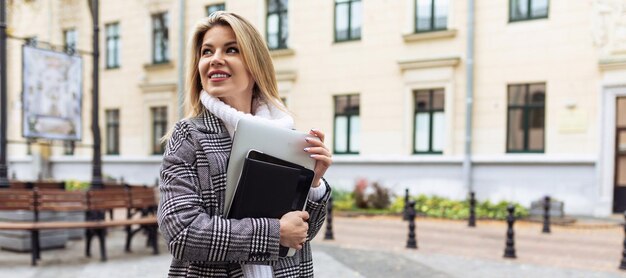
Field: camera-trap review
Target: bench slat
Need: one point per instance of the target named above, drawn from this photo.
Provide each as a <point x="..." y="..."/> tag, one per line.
<point x="149" y="220"/>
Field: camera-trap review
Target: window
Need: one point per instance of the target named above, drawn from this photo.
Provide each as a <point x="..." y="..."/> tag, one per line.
<point x="347" y="124"/>
<point x="32" y="41"/>
<point x="160" y="39"/>
<point x="527" y="9"/>
<point x="431" y="15"/>
<point x="526" y="118"/>
<point x="214" y="8"/>
<point x="113" y="131"/>
<point x="277" y="26"/>
<point x="68" y="147"/>
<point x="69" y="40"/>
<point x="159" y="127"/>
<point x="429" y="122"/>
<point x="112" y="45"/>
<point x="347" y="20"/>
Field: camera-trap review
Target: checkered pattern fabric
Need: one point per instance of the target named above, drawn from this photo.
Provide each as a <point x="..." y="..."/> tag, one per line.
<point x="203" y="243"/>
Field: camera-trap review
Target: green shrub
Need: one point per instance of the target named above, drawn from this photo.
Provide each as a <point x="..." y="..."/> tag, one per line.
<point x="432" y="206"/>
<point x="75" y="185"/>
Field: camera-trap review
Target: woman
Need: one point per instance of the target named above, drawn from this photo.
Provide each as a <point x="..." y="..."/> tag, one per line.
<point x="230" y="76"/>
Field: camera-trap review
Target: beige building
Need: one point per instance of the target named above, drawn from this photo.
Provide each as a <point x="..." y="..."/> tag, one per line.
<point x="391" y="83"/>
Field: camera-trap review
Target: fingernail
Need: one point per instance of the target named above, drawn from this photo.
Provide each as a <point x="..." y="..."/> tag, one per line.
<point x="306" y="139"/>
<point x="306" y="149"/>
<point x="313" y="155"/>
<point x="314" y="129"/>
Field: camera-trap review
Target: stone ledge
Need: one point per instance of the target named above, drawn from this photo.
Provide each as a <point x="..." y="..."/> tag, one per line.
<point x="429" y="63"/>
<point x="276" y="53"/>
<point x="415" y="37"/>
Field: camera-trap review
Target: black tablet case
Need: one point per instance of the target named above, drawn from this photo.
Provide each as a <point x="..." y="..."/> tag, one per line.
<point x="270" y="187"/>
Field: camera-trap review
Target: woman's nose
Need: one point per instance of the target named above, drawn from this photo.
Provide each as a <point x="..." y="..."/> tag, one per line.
<point x="217" y="59"/>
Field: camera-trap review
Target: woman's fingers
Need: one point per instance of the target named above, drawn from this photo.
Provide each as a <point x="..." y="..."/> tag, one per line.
<point x="317" y="150"/>
<point x="317" y="133"/>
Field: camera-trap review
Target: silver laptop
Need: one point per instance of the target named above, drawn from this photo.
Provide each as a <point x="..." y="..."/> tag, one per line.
<point x="282" y="143"/>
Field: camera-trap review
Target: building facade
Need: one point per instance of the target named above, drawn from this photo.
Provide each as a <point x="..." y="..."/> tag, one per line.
<point x="535" y="88"/>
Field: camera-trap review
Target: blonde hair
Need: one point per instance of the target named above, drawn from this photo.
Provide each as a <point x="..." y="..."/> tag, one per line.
<point x="254" y="52"/>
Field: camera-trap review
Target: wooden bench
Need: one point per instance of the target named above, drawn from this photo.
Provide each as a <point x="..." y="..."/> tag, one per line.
<point x="93" y="202"/>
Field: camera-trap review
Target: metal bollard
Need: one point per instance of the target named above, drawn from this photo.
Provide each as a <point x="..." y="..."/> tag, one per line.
<point x="622" y="265"/>
<point x="472" y="210"/>
<point x="329" y="220"/>
<point x="406" y="205"/>
<point x="546" y="215"/>
<point x="411" y="242"/>
<point x="509" y="251"/>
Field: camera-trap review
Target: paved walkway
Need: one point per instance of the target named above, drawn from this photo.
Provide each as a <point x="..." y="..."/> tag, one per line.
<point x="374" y="247"/>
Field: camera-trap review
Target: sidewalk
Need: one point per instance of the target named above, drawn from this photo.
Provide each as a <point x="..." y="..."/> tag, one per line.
<point x="589" y="250"/>
<point x="374" y="247"/>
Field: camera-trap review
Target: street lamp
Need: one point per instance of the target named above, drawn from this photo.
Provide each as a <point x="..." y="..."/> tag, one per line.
<point x="96" y="181"/>
<point x="4" y="181"/>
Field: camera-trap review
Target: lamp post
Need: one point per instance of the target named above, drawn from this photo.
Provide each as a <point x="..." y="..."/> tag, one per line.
<point x="96" y="180"/>
<point x="4" y="181"/>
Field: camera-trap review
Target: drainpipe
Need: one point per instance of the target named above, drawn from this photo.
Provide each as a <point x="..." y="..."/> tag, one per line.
<point x="467" y="161"/>
<point x="181" y="58"/>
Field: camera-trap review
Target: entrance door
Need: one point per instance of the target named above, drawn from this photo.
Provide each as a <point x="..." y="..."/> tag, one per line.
<point x="619" y="194"/>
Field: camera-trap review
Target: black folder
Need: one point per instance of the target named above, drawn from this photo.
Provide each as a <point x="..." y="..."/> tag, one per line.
<point x="270" y="187"/>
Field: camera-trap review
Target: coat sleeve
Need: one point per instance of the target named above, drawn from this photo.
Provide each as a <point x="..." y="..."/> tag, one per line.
<point x="317" y="212"/>
<point x="191" y="232"/>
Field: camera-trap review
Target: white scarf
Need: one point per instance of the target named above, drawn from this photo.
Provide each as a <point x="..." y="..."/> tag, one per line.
<point x="263" y="111"/>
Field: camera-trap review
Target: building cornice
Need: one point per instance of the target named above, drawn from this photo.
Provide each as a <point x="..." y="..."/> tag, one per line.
<point x="286" y="75"/>
<point x="276" y="53"/>
<point x="157" y="87"/>
<point x="429" y="63"/>
<point x="502" y="159"/>
<point x="617" y="63"/>
<point x="415" y="37"/>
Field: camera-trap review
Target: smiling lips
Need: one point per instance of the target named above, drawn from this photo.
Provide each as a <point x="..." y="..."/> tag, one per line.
<point x="218" y="75"/>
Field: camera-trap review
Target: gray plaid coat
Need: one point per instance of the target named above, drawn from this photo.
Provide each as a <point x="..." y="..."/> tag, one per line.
<point x="203" y="243"/>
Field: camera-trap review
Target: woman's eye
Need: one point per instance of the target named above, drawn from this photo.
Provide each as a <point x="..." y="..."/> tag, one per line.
<point x="232" y="50"/>
<point x="206" y="52"/>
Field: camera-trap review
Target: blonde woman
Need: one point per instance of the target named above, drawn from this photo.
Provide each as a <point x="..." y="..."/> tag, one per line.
<point x="230" y="76"/>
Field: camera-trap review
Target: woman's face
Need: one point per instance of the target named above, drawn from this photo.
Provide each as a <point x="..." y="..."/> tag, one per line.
<point x="222" y="71"/>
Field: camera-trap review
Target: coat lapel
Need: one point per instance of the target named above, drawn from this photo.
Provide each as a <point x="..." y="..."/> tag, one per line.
<point x="216" y="145"/>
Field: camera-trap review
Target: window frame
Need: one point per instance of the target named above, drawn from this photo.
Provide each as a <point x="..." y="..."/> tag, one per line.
<point x="220" y="7"/>
<point x="525" y="108"/>
<point x="529" y="15"/>
<point x="165" y="43"/>
<point x="348" y="127"/>
<point x="66" y="46"/>
<point x="280" y="11"/>
<point x="116" y="39"/>
<point x="155" y="123"/>
<point x="115" y="126"/>
<point x="350" y="37"/>
<point x="432" y="18"/>
<point x="430" y="111"/>
<point x="69" y="147"/>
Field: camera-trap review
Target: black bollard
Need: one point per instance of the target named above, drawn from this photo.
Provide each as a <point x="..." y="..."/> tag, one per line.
<point x="509" y="251"/>
<point x="411" y="242"/>
<point x="622" y="265"/>
<point x="329" y="220"/>
<point x="472" y="210"/>
<point x="406" y="205"/>
<point x="546" y="215"/>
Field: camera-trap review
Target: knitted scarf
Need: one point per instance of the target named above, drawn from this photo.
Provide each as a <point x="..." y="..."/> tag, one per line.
<point x="263" y="111"/>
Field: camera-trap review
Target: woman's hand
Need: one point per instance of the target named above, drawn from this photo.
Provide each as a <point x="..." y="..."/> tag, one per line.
<point x="320" y="153"/>
<point x="294" y="229"/>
